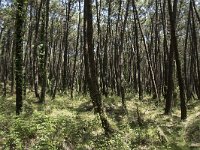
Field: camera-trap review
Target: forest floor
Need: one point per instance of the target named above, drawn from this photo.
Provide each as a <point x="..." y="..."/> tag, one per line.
<point x="68" y="124"/>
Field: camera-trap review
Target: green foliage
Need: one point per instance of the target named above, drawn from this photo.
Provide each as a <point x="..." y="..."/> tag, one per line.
<point x="64" y="123"/>
<point x="192" y="131"/>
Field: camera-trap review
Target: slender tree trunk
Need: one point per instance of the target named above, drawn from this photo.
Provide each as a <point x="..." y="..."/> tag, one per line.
<point x="65" y="69"/>
<point x="174" y="49"/>
<point x="93" y="81"/>
<point x="35" y="49"/>
<point x="76" y="51"/>
<point x="19" y="53"/>
<point x="44" y="71"/>
<point x="145" y="47"/>
<point x="138" y="59"/>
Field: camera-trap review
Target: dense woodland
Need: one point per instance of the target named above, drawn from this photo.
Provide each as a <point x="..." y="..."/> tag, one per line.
<point x="100" y="74"/>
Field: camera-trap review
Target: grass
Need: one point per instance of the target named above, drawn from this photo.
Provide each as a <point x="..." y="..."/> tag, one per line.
<point x="66" y="123"/>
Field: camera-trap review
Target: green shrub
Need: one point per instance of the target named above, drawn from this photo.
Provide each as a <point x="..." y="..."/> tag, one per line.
<point x="192" y="131"/>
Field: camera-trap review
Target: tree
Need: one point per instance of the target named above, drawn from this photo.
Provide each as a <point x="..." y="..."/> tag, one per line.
<point x="92" y="75"/>
<point x="35" y="51"/>
<point x="66" y="33"/>
<point x="20" y="14"/>
<point x="136" y="46"/>
<point x="174" y="49"/>
<point x="45" y="52"/>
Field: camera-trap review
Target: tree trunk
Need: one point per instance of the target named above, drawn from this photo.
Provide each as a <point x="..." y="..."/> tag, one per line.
<point x="20" y="14"/>
<point x="44" y="65"/>
<point x="174" y="48"/>
<point x="93" y="81"/>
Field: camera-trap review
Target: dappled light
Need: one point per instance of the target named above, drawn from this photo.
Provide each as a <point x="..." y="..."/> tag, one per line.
<point x="99" y="74"/>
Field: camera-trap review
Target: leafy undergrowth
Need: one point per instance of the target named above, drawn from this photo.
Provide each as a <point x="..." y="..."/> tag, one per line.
<point x="69" y="124"/>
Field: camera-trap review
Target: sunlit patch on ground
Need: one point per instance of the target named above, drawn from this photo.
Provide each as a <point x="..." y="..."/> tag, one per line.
<point x="71" y="123"/>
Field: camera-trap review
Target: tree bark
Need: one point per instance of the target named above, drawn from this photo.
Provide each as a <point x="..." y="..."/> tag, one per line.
<point x="93" y="81"/>
<point x="174" y="49"/>
<point x="19" y="53"/>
